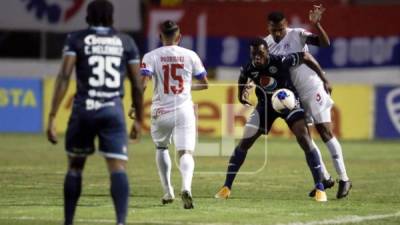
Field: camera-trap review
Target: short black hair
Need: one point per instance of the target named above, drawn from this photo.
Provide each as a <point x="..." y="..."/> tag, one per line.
<point x="100" y="13"/>
<point x="276" y="17"/>
<point x="169" y="28"/>
<point x="258" y="42"/>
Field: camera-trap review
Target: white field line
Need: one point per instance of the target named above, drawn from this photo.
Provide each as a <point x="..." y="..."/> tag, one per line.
<point x="106" y="221"/>
<point x="346" y="219"/>
<point x="341" y="220"/>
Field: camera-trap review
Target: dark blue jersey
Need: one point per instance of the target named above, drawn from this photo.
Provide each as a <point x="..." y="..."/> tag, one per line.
<point x="273" y="76"/>
<point x="102" y="58"/>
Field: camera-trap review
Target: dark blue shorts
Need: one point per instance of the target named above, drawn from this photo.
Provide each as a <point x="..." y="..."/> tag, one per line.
<point x="264" y="116"/>
<point x="107" y="123"/>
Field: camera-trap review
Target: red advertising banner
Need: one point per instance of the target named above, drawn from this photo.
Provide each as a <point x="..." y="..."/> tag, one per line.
<point x="245" y="19"/>
<point x="361" y="35"/>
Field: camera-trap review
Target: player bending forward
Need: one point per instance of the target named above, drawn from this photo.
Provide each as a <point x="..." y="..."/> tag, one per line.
<point x="172" y="113"/>
<point x="269" y="73"/>
<point x="314" y="91"/>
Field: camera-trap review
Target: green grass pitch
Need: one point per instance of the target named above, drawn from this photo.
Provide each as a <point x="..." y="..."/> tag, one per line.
<point x="32" y="172"/>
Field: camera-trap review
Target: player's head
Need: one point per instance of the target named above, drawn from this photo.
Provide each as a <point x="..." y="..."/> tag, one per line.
<point x="277" y="25"/>
<point x="259" y="52"/>
<point x="170" y="33"/>
<point x="100" y="13"/>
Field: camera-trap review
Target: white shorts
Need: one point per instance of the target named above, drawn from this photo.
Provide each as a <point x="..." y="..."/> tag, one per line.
<point x="318" y="106"/>
<point x="179" y="124"/>
<point x="322" y="117"/>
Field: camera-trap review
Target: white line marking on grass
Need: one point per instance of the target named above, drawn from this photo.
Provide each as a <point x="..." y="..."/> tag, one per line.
<point x="341" y="220"/>
<point x="106" y="221"/>
<point x="346" y="219"/>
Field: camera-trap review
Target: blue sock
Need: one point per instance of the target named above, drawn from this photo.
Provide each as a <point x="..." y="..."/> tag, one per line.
<point x="72" y="192"/>
<point x="235" y="163"/>
<point x="120" y="194"/>
<point x="315" y="166"/>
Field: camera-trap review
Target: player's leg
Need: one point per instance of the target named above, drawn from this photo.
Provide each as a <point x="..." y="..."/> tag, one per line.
<point x="79" y="143"/>
<point x="185" y="138"/>
<point x="335" y="149"/>
<point x="325" y="172"/>
<point x="327" y="179"/>
<point x="119" y="187"/>
<point x="254" y="128"/>
<point x="113" y="140"/>
<point x="161" y="133"/>
<point x="186" y="167"/>
<point x="310" y="121"/>
<point x="299" y="128"/>
<point x="164" y="166"/>
<point x="250" y="135"/>
<point x="72" y="187"/>
<point x="323" y="126"/>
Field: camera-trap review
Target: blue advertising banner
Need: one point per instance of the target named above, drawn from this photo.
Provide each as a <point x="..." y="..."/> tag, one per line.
<point x="387" y="112"/>
<point x="21" y="105"/>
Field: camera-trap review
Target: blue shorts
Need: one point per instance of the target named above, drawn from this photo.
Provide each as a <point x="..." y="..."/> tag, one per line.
<point x="107" y="123"/>
<point x="264" y="116"/>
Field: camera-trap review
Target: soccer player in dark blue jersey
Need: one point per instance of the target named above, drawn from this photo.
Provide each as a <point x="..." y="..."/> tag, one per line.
<point x="269" y="73"/>
<point x="101" y="57"/>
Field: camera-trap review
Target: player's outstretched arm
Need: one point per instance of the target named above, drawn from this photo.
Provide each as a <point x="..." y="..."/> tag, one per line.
<point x="311" y="62"/>
<point x="315" y="17"/>
<point x="201" y="84"/>
<point x="60" y="89"/>
<point x="137" y="98"/>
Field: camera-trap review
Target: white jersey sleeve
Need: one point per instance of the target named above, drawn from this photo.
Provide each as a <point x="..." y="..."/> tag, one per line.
<point x="147" y="65"/>
<point x="303" y="34"/>
<point x="199" y="72"/>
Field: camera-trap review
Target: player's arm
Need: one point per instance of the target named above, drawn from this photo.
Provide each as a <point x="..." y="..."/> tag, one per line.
<point x="146" y="71"/>
<point x="201" y="82"/>
<point x="60" y="89"/>
<point x="311" y="62"/>
<point x="242" y="90"/>
<point x="136" y="91"/>
<point x="298" y="58"/>
<point x="136" y="111"/>
<point x="322" y="39"/>
<point x="145" y="80"/>
<point x="133" y="68"/>
<point x="199" y="73"/>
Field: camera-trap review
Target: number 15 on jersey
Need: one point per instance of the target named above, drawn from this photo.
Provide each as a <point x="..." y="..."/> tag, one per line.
<point x="170" y="71"/>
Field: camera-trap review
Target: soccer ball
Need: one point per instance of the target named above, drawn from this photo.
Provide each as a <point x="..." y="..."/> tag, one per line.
<point x="283" y="100"/>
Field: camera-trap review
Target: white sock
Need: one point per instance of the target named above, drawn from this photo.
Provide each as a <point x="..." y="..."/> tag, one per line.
<point x="163" y="161"/>
<point x="337" y="158"/>
<point x="186" y="166"/>
<point x="323" y="167"/>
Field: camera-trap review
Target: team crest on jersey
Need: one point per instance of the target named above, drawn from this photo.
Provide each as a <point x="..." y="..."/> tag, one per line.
<point x="254" y="74"/>
<point x="268" y="83"/>
<point x="273" y="69"/>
